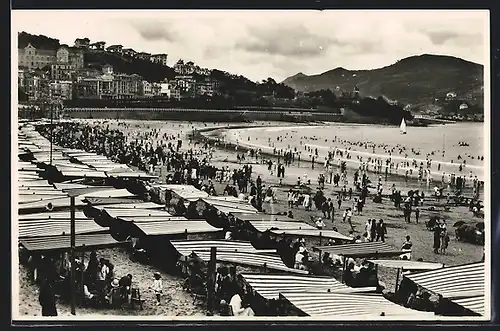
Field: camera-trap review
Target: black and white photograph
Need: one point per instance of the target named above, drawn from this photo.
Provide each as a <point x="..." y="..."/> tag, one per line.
<point x="228" y="165"/>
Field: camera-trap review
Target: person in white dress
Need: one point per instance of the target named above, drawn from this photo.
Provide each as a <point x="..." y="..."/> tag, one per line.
<point x="236" y="305"/>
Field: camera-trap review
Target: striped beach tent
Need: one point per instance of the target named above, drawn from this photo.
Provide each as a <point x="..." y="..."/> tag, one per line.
<point x="58" y="215"/>
<point x="63" y="242"/>
<point x="365" y="249"/>
<point x="186" y="247"/>
<point x="135" y="212"/>
<point x="53" y="227"/>
<point x="269" y="261"/>
<point x="349" y="305"/>
<point x="138" y="205"/>
<point x="269" y="286"/>
<point x="462" y="284"/>
<point x="160" y="228"/>
<point x="408" y="264"/>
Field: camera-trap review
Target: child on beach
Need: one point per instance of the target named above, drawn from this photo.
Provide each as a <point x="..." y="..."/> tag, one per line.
<point x="157" y="287"/>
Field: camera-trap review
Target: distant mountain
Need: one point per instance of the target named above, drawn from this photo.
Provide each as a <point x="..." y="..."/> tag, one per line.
<point x="415" y="80"/>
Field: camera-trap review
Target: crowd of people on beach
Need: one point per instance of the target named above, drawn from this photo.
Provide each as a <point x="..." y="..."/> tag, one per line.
<point x="151" y="150"/>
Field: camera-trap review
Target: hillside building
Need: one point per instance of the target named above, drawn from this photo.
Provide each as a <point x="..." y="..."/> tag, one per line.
<point x="159" y="59"/>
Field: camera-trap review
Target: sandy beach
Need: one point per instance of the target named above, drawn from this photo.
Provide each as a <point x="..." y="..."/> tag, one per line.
<point x="179" y="302"/>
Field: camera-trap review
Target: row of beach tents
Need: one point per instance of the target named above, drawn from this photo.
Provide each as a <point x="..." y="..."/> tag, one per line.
<point x="43" y="225"/>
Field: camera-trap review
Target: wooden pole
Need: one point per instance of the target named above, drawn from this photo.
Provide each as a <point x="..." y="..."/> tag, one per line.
<point x="265" y="268"/>
<point x="83" y="272"/>
<point x="397" y="280"/>
<point x="211" y="278"/>
<point x="72" y="252"/>
<point x="320" y="237"/>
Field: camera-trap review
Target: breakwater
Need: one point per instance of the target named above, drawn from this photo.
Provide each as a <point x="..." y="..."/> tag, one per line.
<point x="203" y="115"/>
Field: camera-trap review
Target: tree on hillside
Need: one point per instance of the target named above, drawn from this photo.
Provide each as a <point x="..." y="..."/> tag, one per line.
<point x="40" y="41"/>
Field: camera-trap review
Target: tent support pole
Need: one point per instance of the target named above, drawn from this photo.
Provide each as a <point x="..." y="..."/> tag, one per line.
<point x="211" y="278"/>
<point x="397" y="280"/>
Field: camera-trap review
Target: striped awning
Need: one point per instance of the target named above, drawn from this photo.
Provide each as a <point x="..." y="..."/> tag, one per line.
<point x="41" y="183"/>
<point x="29" y="198"/>
<point x="408" y="264"/>
<point x="328" y="234"/>
<point x="186" y="192"/>
<point x="263" y="217"/>
<point x="111" y="193"/>
<point x="265" y="225"/>
<point x="138" y="205"/>
<point x="52" y="215"/>
<point x="270" y="261"/>
<point x="82" y="173"/>
<point x="138" y="175"/>
<point x="339" y="305"/>
<point x="53" y="227"/>
<point x="135" y="212"/>
<point x="365" y="249"/>
<point x="461" y="283"/>
<point x="186" y="247"/>
<point x="174" y="227"/>
<point x="60" y="202"/>
<point x="231" y="206"/>
<point x="269" y="286"/>
<point x="50" y="243"/>
<point x="104" y="201"/>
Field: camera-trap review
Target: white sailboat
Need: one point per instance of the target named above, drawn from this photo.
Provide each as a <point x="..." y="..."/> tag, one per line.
<point x="402" y="127"/>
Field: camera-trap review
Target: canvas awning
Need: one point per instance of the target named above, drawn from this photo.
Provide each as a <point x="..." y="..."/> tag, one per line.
<point x="138" y="175"/>
<point x="462" y="284"/>
<point x="339" y="305"/>
<point x="263" y="217"/>
<point x="51" y="243"/>
<point x="269" y="285"/>
<point x="186" y="192"/>
<point x="135" y="212"/>
<point x="53" y="227"/>
<point x="365" y="249"/>
<point x="52" y="215"/>
<point x="186" y="247"/>
<point x="174" y="227"/>
<point x="61" y="202"/>
<point x="271" y="262"/>
<point x="138" y="205"/>
<point x="408" y="264"/>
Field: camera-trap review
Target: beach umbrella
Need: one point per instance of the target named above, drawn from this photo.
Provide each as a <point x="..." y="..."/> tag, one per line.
<point x="458" y="224"/>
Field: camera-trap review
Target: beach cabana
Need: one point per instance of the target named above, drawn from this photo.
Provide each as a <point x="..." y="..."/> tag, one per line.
<point x="130" y="175"/>
<point x="360" y="250"/>
<point x="53" y="227"/>
<point x="463" y="285"/>
<point x="186" y="247"/>
<point x="42" y="204"/>
<point x="63" y="242"/>
<point x="52" y="215"/>
<point x="137" y="205"/>
<point x="259" y="260"/>
<point x="184" y="192"/>
<point x="269" y="286"/>
<point x="95" y="201"/>
<point x="298" y="229"/>
<point x="348" y="306"/>
<point x="165" y="228"/>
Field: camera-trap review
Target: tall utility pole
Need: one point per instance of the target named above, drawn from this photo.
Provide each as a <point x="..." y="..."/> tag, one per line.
<point x="72" y="255"/>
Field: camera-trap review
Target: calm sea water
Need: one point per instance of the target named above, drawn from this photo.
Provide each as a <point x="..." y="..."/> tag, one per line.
<point x="419" y="143"/>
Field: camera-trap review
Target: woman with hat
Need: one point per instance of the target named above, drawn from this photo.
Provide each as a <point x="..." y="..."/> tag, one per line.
<point x="114" y="296"/>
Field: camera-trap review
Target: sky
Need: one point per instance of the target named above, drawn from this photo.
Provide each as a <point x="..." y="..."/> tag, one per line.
<point x="277" y="44"/>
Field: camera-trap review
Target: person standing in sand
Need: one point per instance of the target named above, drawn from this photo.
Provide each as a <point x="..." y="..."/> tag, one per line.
<point x="157" y="287"/>
<point x="47" y="298"/>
